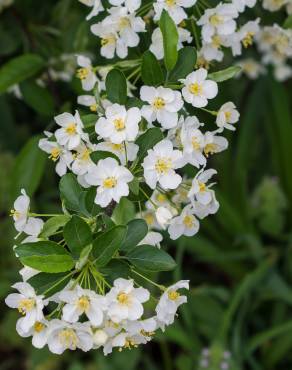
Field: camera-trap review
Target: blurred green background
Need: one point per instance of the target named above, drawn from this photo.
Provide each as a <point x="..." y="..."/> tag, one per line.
<point x="240" y="263"/>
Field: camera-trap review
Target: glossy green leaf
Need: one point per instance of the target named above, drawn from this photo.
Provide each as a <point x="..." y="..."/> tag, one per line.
<point x="225" y="74"/>
<point x="288" y="22"/>
<point x="49" y="283"/>
<point x="148" y="140"/>
<point x="170" y="40"/>
<point x="124" y="212"/>
<point x="70" y="191"/>
<point x="102" y="154"/>
<point x="37" y="97"/>
<point x="185" y="64"/>
<point x="77" y="235"/>
<point x="52" y="225"/>
<point x="150" y="70"/>
<point x="116" y="87"/>
<point x="137" y="230"/>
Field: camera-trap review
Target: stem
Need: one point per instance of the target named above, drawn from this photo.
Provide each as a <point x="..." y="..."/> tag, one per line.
<point x="44" y="215"/>
<point x="161" y="287"/>
<point x="59" y="282"/>
<point x="147" y="196"/>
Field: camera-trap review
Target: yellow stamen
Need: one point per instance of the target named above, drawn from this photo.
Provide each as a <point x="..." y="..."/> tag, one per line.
<point x="161" y="198"/>
<point x="55" y="153"/>
<point x="202" y="186"/>
<point x="123" y="298"/>
<point x="14" y="213"/>
<point x="82" y="73"/>
<point x="26" y="305"/>
<point x="163" y="165"/>
<point x="71" y="129"/>
<point x="216" y="41"/>
<point x="83" y="303"/>
<point x="68" y="338"/>
<point x="110" y="182"/>
<point x="149" y="218"/>
<point x="216" y="20"/>
<point x="188" y="222"/>
<point x="195" y="89"/>
<point x="248" y="39"/>
<point x="124" y="23"/>
<point x="173" y="295"/>
<point x="38" y="327"/>
<point x="158" y="103"/>
<point x="108" y="40"/>
<point x="93" y="108"/>
<point x="195" y="143"/>
<point x="85" y="155"/>
<point x="170" y="3"/>
<point x="210" y="149"/>
<point x="119" y="124"/>
<point x="117" y="147"/>
<point x="227" y="115"/>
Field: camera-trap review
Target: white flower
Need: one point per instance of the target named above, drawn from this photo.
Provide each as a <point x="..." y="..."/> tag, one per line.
<point x="39" y="333"/>
<point x="203" y="210"/>
<point x="27" y="273"/>
<point x="244" y="36"/>
<point x="160" y="164"/>
<point x="125" y="301"/>
<point x="198" y="89"/>
<point x="82" y="162"/>
<point x="62" y="336"/>
<point x="82" y="301"/>
<point x="96" y="6"/>
<point x="20" y="213"/>
<point x="119" y="124"/>
<point x="175" y="8"/>
<point x="163" y="216"/>
<point x="274" y="5"/>
<point x="193" y="142"/>
<point x="251" y="68"/>
<point x="218" y="20"/>
<point x="199" y="190"/>
<point x="211" y="51"/>
<point x="58" y="154"/>
<point x="85" y="73"/>
<point x="227" y="116"/>
<point x="152" y="238"/>
<point x="110" y="42"/>
<point x="125" y="151"/>
<point x="240" y="5"/>
<point x="112" y="181"/>
<point x="169" y="303"/>
<point x="100" y="338"/>
<point x="214" y="144"/>
<point x="131" y="5"/>
<point x="156" y="46"/>
<point x="184" y="224"/>
<point x="71" y="132"/>
<point x="164" y="104"/>
<point x="28" y="304"/>
<point x="88" y="101"/>
<point x="282" y="72"/>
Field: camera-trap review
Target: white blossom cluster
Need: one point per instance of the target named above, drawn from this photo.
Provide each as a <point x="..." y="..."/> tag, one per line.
<point x="88" y="320"/>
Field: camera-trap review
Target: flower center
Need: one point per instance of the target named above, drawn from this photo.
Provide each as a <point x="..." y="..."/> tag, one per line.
<point x="158" y="103"/>
<point x="227" y="115"/>
<point x="210" y="149"/>
<point x="124" y="23"/>
<point x="163" y="165"/>
<point x="117" y="147"/>
<point x="216" y="20"/>
<point x="110" y="182"/>
<point x="202" y="186"/>
<point x="195" y="143"/>
<point x="71" y="129"/>
<point x="82" y="73"/>
<point x="248" y="39"/>
<point x="83" y="303"/>
<point x="123" y="298"/>
<point x="108" y="40"/>
<point x="149" y="218"/>
<point x="38" y="327"/>
<point x="129" y="344"/>
<point x="119" y="124"/>
<point x="26" y="305"/>
<point x="55" y="153"/>
<point x="216" y="41"/>
<point x="170" y="2"/>
<point x="188" y="222"/>
<point x="93" y="108"/>
<point x="173" y="295"/>
<point x="161" y="198"/>
<point x="85" y="155"/>
<point x="195" y="89"/>
<point x="68" y="338"/>
<point x="14" y="213"/>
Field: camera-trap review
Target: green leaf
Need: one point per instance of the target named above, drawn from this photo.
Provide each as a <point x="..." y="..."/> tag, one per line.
<point x="151" y="71"/>
<point x="124" y="212"/>
<point x="116" y="87"/>
<point x="134" y="186"/>
<point x="53" y="224"/>
<point x="101" y="154"/>
<point x="45" y="256"/>
<point x="170" y="40"/>
<point x="107" y="244"/>
<point x="92" y="208"/>
<point x="37" y="97"/>
<point x="19" y="69"/>
<point x="115" y="269"/>
<point x="52" y="283"/>
<point x="288" y="22"/>
<point x="77" y="235"/>
<point x="147" y="257"/>
<point x="225" y="74"/>
<point x="148" y="140"/>
<point x="185" y="64"/>
<point x="29" y="168"/>
<point x="137" y="230"/>
<point x="89" y="120"/>
<point x="70" y="191"/>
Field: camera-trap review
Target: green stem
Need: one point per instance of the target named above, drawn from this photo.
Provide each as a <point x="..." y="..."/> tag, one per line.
<point x="161" y="287"/>
<point x="59" y="282"/>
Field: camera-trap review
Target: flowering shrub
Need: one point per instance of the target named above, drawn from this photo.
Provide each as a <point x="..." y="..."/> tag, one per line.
<point x="133" y="170"/>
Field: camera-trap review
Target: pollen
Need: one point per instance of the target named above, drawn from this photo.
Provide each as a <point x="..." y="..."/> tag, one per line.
<point x="38" y="327"/>
<point x="227" y="115"/>
<point x="170" y="2"/>
<point x="173" y="295"/>
<point x="71" y="129"/>
<point x="117" y="147"/>
<point x="195" y="143"/>
<point x="248" y="39"/>
<point x="216" y="20"/>
<point x="14" y="213"/>
<point x="55" y="153"/>
<point x="124" y="23"/>
<point x="108" y="40"/>
<point x="119" y="124"/>
<point x="110" y="182"/>
<point x="82" y="73"/>
<point x="195" y="89"/>
<point x="85" y="155"/>
<point x="158" y="103"/>
<point x="216" y="41"/>
<point x="188" y="222"/>
<point x="68" y="338"/>
<point x="26" y="305"/>
<point x="161" y="198"/>
<point x="129" y="344"/>
<point x="163" y="165"/>
<point x="202" y="186"/>
<point x="93" y="108"/>
<point x="83" y="303"/>
<point x="210" y="149"/>
<point x="149" y="218"/>
<point x="123" y="298"/>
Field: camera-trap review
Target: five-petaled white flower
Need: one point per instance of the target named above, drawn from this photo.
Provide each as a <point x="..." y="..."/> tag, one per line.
<point x="119" y="124"/>
<point x="71" y="132"/>
<point x="38" y="332"/>
<point x="164" y="104"/>
<point x="175" y="9"/>
<point x="85" y="73"/>
<point x="198" y="89"/>
<point x="227" y="116"/>
<point x="111" y="180"/>
<point x="82" y="301"/>
<point x="62" y="336"/>
<point x="28" y="304"/>
<point x="160" y="165"/>
<point x="184" y="224"/>
<point x="125" y="301"/>
<point x="125" y="151"/>
<point x="199" y="189"/>
<point x="169" y="302"/>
